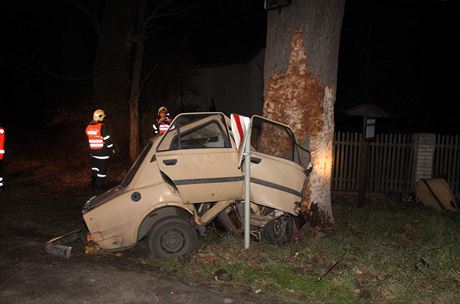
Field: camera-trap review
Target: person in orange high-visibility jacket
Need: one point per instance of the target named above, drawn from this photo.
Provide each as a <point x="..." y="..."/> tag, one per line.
<point x="162" y="122"/>
<point x="2" y="153"/>
<point x="101" y="148"/>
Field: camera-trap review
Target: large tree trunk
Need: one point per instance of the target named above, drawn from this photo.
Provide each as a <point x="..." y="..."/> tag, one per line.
<point x="136" y="84"/>
<point x="300" y="82"/>
<point x="111" y="87"/>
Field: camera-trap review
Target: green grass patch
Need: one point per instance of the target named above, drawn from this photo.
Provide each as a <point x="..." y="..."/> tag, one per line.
<point x="389" y="253"/>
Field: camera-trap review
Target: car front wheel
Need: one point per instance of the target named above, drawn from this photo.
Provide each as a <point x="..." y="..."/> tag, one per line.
<point x="279" y="230"/>
<point x="172" y="237"/>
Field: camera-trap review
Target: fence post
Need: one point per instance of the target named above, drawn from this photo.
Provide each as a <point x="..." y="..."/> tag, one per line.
<point x="424" y="145"/>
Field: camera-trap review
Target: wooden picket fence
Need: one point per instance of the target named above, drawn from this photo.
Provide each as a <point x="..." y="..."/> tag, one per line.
<point x="391" y="162"/>
<point x="446" y="162"/>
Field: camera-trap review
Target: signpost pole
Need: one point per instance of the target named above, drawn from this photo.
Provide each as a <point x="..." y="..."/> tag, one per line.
<point x="247" y="188"/>
<point x="369" y="113"/>
<point x="362" y="183"/>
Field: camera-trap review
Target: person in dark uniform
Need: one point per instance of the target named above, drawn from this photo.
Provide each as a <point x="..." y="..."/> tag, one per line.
<point x="101" y="148"/>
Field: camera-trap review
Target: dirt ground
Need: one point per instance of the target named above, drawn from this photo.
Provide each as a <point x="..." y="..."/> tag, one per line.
<point x="31" y="212"/>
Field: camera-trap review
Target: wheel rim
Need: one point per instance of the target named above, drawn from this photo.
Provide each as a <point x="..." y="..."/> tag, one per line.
<point x="172" y="241"/>
<point x="279" y="227"/>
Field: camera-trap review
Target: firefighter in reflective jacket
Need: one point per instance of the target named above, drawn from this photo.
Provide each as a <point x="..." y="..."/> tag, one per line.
<point x="2" y="152"/>
<point x="101" y="148"/>
<point x="163" y="121"/>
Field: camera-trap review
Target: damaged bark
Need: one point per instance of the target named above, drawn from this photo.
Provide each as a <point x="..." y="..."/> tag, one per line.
<point x="300" y="81"/>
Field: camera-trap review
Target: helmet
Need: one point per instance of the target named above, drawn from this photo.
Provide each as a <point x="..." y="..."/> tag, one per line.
<point x="98" y="115"/>
<point x="162" y="109"/>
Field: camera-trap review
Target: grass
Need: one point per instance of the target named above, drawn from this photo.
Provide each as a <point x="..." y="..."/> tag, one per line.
<point x="387" y="253"/>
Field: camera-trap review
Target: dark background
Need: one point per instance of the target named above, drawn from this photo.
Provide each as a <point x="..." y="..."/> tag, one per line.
<point x="401" y="55"/>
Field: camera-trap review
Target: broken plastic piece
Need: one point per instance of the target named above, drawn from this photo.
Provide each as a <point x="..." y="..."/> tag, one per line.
<point x="58" y="247"/>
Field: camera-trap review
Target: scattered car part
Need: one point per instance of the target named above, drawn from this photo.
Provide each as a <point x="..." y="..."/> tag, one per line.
<point x="59" y="245"/>
<point x="435" y="193"/>
<point x="278" y="230"/>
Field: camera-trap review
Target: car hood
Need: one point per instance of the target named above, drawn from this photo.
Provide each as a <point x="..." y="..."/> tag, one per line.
<point x="126" y="182"/>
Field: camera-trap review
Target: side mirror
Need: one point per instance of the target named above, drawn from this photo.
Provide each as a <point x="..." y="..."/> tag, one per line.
<point x="309" y="169"/>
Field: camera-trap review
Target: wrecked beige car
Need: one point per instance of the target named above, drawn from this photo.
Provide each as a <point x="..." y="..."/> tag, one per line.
<point x="192" y="174"/>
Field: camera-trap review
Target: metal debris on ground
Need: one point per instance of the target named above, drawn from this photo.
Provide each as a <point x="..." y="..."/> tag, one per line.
<point x="422" y="263"/>
<point x="332" y="267"/>
<point x="58" y="246"/>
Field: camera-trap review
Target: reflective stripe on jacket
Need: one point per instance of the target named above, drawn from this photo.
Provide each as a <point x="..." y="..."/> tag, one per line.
<point x="163" y="128"/>
<point x="163" y="125"/>
<point x="2" y="142"/>
<point x="93" y="131"/>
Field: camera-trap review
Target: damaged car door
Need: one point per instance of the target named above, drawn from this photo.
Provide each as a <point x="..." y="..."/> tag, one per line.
<point x="277" y="177"/>
<point x="199" y="158"/>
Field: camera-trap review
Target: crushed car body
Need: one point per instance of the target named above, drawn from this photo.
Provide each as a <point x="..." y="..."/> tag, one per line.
<point x="185" y="178"/>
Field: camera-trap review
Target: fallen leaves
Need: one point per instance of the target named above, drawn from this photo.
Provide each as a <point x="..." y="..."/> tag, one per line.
<point x="306" y="270"/>
<point x="221" y="275"/>
<point x="207" y="257"/>
<point x="358" y="272"/>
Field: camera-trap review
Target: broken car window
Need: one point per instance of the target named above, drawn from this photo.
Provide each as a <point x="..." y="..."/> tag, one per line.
<point x="196" y="131"/>
<point x="272" y="139"/>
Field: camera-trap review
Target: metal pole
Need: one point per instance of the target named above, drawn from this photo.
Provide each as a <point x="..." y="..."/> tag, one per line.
<point x="362" y="182"/>
<point x="247" y="190"/>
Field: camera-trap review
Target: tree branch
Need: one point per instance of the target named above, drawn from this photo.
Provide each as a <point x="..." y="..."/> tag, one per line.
<point x="64" y="77"/>
<point x="92" y="15"/>
<point x="147" y="77"/>
<point x="55" y="75"/>
<point x="155" y="11"/>
<point x="177" y="12"/>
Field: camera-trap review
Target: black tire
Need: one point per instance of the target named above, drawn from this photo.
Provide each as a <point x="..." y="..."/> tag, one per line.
<point x="278" y="230"/>
<point x="172" y="237"/>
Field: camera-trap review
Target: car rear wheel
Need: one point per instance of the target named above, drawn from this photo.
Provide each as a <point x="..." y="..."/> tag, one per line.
<point x="172" y="237"/>
<point x="266" y="223"/>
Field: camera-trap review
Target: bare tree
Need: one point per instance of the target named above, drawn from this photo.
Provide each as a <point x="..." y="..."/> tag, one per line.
<point x="114" y="23"/>
<point x="122" y="27"/>
<point x="145" y="21"/>
<point x="119" y="77"/>
<point x="300" y="82"/>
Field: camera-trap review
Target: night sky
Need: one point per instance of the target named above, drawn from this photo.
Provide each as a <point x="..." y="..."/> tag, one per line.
<point x="401" y="55"/>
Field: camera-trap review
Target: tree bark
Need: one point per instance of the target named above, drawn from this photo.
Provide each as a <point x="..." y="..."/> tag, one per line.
<point x="136" y="83"/>
<point x="300" y="76"/>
